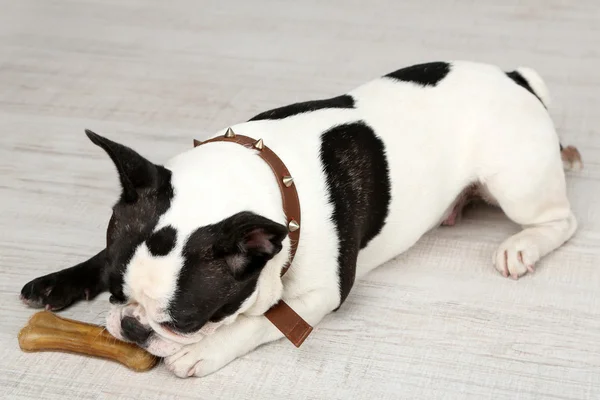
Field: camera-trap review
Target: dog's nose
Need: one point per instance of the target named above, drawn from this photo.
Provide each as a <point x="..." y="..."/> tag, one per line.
<point x="133" y="330"/>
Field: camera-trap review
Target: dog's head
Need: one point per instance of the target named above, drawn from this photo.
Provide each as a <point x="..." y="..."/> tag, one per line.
<point x="182" y="257"/>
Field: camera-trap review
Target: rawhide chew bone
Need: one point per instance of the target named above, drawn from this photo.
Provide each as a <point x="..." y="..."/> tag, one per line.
<point x="46" y="331"/>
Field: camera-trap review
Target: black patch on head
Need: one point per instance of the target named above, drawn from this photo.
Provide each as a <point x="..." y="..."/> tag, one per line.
<point x="359" y="187"/>
<point x="147" y="194"/>
<point x="429" y="74"/>
<point x="162" y="241"/>
<point x="222" y="263"/>
<point x="134" y="224"/>
<point x="345" y="101"/>
<point x="519" y="80"/>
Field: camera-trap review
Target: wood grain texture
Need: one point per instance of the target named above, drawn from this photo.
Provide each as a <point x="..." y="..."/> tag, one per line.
<point x="436" y="323"/>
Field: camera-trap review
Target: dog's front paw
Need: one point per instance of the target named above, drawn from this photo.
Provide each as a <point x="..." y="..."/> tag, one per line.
<point x="199" y="359"/>
<point x="516" y="256"/>
<point x="59" y="290"/>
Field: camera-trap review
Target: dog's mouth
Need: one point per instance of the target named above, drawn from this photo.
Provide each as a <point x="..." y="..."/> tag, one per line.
<point x="166" y="332"/>
<point x="158" y="323"/>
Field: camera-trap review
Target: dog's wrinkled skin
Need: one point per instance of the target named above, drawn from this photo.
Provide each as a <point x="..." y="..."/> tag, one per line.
<point x="195" y="247"/>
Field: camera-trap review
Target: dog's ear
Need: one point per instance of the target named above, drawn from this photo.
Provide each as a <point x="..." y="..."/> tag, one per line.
<point x="135" y="172"/>
<point x="247" y="241"/>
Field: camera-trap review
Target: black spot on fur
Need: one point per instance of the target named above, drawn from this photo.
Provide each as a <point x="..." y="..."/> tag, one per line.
<point x="345" y="101"/>
<point x="358" y="180"/>
<point x="519" y="80"/>
<point x="222" y="263"/>
<point x="429" y="74"/>
<point x="162" y="242"/>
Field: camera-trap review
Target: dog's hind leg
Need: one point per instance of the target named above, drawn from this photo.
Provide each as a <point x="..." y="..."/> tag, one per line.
<point x="571" y="159"/>
<point x="529" y="185"/>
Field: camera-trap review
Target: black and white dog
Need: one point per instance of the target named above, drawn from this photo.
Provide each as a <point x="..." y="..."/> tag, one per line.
<point x="195" y="248"/>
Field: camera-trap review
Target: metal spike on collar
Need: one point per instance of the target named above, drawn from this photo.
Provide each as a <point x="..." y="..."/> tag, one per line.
<point x="259" y="145"/>
<point x="230" y="133"/>
<point x="288" y="181"/>
<point x="293" y="226"/>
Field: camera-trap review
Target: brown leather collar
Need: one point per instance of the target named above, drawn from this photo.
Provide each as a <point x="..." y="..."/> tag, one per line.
<point x="292" y="325"/>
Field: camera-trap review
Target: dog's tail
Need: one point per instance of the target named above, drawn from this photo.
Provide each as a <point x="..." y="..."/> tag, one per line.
<point x="532" y="81"/>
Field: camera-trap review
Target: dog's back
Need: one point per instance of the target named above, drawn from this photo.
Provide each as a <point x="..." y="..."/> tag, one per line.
<point x="383" y="164"/>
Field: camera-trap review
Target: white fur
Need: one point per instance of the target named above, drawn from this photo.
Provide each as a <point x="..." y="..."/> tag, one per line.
<point x="152" y="280"/>
<point x="476" y="125"/>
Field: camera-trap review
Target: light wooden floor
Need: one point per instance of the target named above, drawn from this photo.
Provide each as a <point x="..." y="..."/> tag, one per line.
<point x="436" y="323"/>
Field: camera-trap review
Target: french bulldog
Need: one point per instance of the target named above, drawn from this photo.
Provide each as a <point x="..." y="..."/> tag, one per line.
<point x="195" y="247"/>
